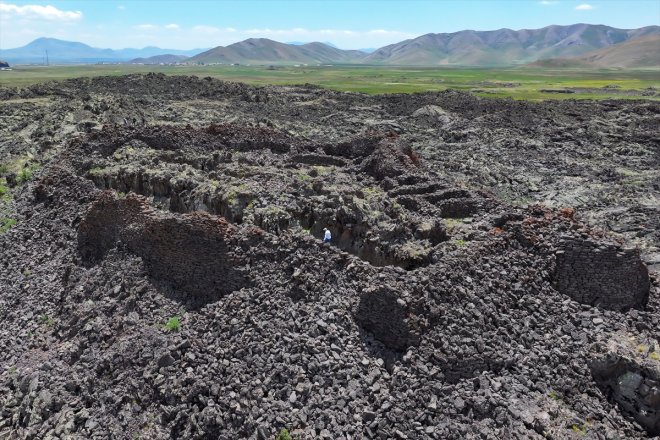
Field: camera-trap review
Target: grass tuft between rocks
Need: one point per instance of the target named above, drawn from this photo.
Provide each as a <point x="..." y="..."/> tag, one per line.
<point x="284" y="435"/>
<point x="48" y="321"/>
<point x="173" y="324"/>
<point x="6" y="224"/>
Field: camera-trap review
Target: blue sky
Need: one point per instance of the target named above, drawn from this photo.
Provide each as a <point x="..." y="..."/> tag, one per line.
<point x="349" y="24"/>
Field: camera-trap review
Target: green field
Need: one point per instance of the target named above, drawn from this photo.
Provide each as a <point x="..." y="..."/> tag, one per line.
<point x="517" y="83"/>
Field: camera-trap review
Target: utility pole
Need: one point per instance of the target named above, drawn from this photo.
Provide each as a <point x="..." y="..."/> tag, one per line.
<point x="47" y="61"/>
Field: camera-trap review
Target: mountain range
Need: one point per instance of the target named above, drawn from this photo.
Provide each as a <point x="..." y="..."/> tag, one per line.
<point x="260" y="50"/>
<point x="503" y="47"/>
<point x="60" y="51"/>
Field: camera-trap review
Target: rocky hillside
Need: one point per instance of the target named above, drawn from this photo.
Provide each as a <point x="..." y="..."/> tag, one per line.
<point x="491" y="273"/>
<point x="638" y="52"/>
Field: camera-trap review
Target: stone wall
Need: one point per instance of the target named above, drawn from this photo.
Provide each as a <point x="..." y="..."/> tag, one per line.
<point x="601" y="274"/>
<point x="191" y="253"/>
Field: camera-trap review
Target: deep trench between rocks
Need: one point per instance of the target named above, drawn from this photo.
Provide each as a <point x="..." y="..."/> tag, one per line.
<point x="349" y="237"/>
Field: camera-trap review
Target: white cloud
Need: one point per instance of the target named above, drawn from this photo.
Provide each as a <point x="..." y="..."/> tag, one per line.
<point x="172" y="26"/>
<point x="270" y="32"/>
<point x="336" y="32"/>
<point x="584" y="7"/>
<point x="121" y="7"/>
<point x="205" y="30"/>
<point x="326" y="33"/>
<point x="548" y="2"/>
<point x="386" y="33"/>
<point x="145" y="27"/>
<point x="39" y="12"/>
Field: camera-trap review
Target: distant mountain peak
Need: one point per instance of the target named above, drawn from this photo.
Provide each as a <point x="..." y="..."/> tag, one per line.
<point x="301" y="43"/>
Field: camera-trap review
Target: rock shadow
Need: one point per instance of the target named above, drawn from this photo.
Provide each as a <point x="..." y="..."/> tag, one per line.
<point x="189" y="255"/>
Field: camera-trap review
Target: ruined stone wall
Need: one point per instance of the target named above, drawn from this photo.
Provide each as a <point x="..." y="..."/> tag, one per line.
<point x="192" y="253"/>
<point x="601" y="274"/>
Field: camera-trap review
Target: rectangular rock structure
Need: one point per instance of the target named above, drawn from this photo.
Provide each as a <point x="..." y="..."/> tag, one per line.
<point x="601" y="274"/>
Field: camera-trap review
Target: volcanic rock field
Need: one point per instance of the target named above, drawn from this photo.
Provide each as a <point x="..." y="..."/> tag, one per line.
<point x="493" y="272"/>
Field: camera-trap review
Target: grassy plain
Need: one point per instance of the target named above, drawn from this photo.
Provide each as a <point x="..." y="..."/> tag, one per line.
<point x="517" y="83"/>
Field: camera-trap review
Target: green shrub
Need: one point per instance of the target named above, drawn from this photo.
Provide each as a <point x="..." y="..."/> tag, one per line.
<point x="25" y="175"/>
<point x="580" y="430"/>
<point x="284" y="435"/>
<point x="3" y="190"/>
<point x="173" y="324"/>
<point x="4" y="168"/>
<point x="6" y="224"/>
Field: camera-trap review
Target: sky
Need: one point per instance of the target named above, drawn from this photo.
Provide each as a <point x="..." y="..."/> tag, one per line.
<point x="348" y="24"/>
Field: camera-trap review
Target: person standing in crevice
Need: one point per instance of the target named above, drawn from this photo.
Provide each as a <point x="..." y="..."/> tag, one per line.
<point x="327" y="235"/>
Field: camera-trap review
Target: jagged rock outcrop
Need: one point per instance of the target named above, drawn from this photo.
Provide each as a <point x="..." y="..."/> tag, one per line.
<point x="628" y="372"/>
